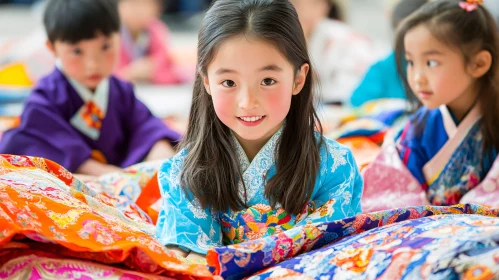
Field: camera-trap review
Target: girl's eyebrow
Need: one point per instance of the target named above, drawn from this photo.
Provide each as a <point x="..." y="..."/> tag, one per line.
<point x="433" y="52"/>
<point x="430" y="52"/>
<point x="271" y="67"/>
<point x="225" y="71"/>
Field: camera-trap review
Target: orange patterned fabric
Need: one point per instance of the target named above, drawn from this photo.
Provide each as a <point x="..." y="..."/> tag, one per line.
<point x="45" y="208"/>
<point x="36" y="267"/>
<point x="149" y="196"/>
<point x="364" y="149"/>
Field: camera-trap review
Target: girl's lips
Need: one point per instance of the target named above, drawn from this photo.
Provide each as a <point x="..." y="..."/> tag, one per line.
<point x="251" y="123"/>
<point x="425" y="94"/>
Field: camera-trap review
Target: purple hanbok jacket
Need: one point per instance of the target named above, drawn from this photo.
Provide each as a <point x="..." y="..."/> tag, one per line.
<point x="127" y="132"/>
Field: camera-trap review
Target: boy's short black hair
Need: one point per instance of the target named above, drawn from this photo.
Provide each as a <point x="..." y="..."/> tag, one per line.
<point x="75" y="20"/>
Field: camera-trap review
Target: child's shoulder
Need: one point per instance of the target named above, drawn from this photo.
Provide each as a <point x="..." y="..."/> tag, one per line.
<point x="424" y="115"/>
<point x="159" y="28"/>
<point x="123" y="92"/>
<point x="331" y="150"/>
<point x="51" y="90"/>
<point x="170" y="171"/>
<point x="122" y="86"/>
<point x="422" y="124"/>
<point x="174" y="163"/>
<point x="51" y="83"/>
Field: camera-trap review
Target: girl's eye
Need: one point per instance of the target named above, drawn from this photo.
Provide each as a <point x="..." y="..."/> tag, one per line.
<point x="77" y="51"/>
<point x="268" y="82"/>
<point x="229" y="83"/>
<point x="106" y="47"/>
<point x="432" y="63"/>
<point x="410" y="63"/>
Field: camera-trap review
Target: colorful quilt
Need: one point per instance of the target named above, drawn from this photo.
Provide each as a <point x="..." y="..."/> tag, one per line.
<point x="34" y="267"/>
<point x="487" y="193"/>
<point x="46" y="212"/>
<point x="458" y="242"/>
<point x="53" y="227"/>
<point x="127" y="186"/>
<point x="389" y="184"/>
<point x="364" y="129"/>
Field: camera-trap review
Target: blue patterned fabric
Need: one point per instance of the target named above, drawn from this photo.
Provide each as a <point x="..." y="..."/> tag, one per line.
<point x="183" y="222"/>
<point x="424" y="242"/>
<point x="426" y="136"/>
<point x="381" y="81"/>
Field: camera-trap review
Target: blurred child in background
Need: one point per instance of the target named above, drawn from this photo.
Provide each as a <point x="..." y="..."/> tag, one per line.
<point x="145" y="52"/>
<point x="382" y="79"/>
<point x="79" y="115"/>
<point x="448" y="50"/>
<point x="339" y="54"/>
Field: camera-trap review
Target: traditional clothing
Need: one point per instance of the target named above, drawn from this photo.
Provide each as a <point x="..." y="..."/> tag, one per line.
<point x="46" y="212"/>
<point x="64" y="122"/>
<point x="152" y="43"/>
<point x="340" y="57"/>
<point x="434" y="160"/>
<point x="424" y="242"/>
<point x="445" y="157"/>
<point x="183" y="222"/>
<point x="381" y="81"/>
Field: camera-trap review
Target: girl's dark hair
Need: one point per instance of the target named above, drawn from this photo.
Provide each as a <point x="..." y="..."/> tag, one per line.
<point x="211" y="168"/>
<point x="76" y="20"/>
<point x="470" y="32"/>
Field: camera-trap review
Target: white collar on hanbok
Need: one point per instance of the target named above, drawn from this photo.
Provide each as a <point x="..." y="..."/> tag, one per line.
<point x="254" y="173"/>
<point x="89" y="117"/>
<point x="456" y="135"/>
<point x="451" y="128"/>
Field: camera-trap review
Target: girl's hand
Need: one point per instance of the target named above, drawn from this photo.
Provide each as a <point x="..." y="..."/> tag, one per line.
<point x="92" y="167"/>
<point x="86" y="178"/>
<point x="140" y="70"/>
<point x="161" y="150"/>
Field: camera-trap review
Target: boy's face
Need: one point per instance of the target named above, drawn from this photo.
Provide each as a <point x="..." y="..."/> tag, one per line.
<point x="88" y="61"/>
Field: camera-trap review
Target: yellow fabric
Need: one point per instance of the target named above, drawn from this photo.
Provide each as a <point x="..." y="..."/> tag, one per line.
<point x="15" y="75"/>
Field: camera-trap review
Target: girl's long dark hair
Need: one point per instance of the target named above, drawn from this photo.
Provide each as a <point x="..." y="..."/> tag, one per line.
<point x="211" y="168"/>
<point x="470" y="32"/>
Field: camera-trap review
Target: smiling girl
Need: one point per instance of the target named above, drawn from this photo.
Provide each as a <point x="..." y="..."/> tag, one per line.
<point x="254" y="161"/>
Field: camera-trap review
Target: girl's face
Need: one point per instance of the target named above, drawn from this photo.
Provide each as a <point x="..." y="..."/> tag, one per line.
<point x="436" y="73"/>
<point x="251" y="84"/>
<point x="88" y="61"/>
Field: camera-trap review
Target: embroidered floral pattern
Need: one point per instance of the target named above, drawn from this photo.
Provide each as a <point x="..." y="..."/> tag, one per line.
<point x="57" y="220"/>
<point x="182" y="221"/>
<point x="424" y="242"/>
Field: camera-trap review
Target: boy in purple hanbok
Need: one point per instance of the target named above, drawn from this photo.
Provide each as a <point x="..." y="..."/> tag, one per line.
<point x="80" y="116"/>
